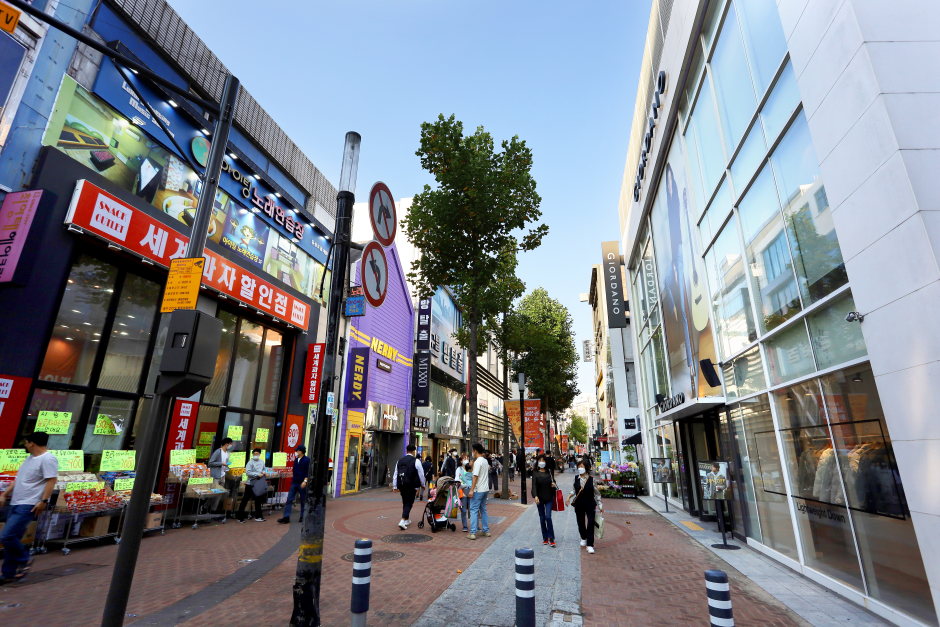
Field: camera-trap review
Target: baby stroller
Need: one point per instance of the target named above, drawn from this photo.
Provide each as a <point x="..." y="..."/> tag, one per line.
<point x="444" y="506"/>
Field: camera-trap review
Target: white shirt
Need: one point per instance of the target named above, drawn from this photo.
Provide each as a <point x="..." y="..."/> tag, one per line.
<point x="418" y="467"/>
<point x="31" y="478"/>
<point x="224" y="456"/>
<point x="481" y="475"/>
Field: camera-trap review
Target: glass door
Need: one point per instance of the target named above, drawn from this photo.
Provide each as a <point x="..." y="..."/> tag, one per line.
<point x="351" y="467"/>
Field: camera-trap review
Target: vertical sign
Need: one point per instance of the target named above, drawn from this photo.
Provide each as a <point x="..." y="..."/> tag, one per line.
<point x="588" y="350"/>
<point x="13" y="394"/>
<point x="613" y="286"/>
<point x="312" y="373"/>
<point x="182" y="284"/>
<point x="16" y="216"/>
<point x="182" y="428"/>
<point x="422" y="382"/>
<point x="424" y="325"/>
<point x="291" y="436"/>
<point x="357" y="378"/>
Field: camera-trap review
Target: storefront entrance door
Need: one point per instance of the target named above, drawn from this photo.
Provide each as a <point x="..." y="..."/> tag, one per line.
<point x="698" y="441"/>
<point x="351" y="467"/>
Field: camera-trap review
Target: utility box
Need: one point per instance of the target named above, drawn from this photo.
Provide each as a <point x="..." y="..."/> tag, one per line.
<point x="189" y="355"/>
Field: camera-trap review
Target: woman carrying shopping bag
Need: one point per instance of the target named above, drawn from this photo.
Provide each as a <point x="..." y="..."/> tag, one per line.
<point x="255" y="488"/>
<point x="585" y="497"/>
<point x="543" y="489"/>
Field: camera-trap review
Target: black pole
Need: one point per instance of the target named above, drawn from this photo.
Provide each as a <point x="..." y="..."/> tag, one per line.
<point x="310" y="561"/>
<point x="665" y="499"/>
<point x="522" y="496"/>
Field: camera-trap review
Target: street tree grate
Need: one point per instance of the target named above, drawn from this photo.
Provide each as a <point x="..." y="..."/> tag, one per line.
<point x="379" y="556"/>
<point x="406" y="538"/>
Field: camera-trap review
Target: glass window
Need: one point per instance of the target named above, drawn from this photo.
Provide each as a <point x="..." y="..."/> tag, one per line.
<point x="710" y="26"/>
<point x="891" y="556"/>
<point x="245" y="368"/>
<point x="716" y="214"/>
<point x="204" y="438"/>
<point x="130" y="335"/>
<point x="262" y="436"/>
<point x="780" y="104"/>
<point x="745" y="375"/>
<point x="233" y="419"/>
<point x="78" y="325"/>
<point x="215" y="391"/>
<point x="695" y="168"/>
<point x="711" y="156"/>
<point x="649" y="293"/>
<point x="107" y="415"/>
<point x="748" y="158"/>
<point x="816" y="252"/>
<point x="733" y="89"/>
<point x="744" y="468"/>
<point x="763" y="36"/>
<point x="789" y="355"/>
<point x="835" y="340"/>
<point x="768" y="255"/>
<point x="731" y="302"/>
<point x="271" y="363"/>
<point x="54" y="400"/>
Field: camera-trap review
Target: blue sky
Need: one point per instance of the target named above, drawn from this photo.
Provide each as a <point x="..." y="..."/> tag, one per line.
<point x="561" y="75"/>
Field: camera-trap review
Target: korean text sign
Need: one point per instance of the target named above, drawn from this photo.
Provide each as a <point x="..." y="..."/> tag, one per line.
<point x="312" y="373"/>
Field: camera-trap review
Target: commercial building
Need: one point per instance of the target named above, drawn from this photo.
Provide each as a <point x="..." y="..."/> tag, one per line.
<point x="778" y="223"/>
<point x="101" y="199"/>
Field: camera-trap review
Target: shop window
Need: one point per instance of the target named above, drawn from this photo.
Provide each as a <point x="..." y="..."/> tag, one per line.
<point x="816" y="254"/>
<point x="130" y="335"/>
<point x="262" y="436"/>
<point x="731" y="301"/>
<point x="204" y="435"/>
<point x="233" y="419"/>
<point x="76" y="335"/>
<point x="271" y="363"/>
<point x="789" y="355"/>
<point x="748" y="158"/>
<point x="215" y="391"/>
<point x="769" y="266"/>
<point x="649" y="292"/>
<point x="745" y="469"/>
<point x="744" y="375"/>
<point x="763" y="38"/>
<point x="245" y="368"/>
<point x="107" y="427"/>
<point x="836" y="341"/>
<point x="780" y="104"/>
<point x="711" y="156"/>
<point x="717" y="213"/>
<point x="710" y="26"/>
<point x="733" y="90"/>
<point x="660" y="371"/>
<point x="65" y="404"/>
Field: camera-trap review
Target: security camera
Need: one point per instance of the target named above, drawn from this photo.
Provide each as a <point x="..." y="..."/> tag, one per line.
<point x="854" y="316"/>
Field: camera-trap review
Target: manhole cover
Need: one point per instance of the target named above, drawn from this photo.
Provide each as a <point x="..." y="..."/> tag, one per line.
<point x="406" y="538"/>
<point x="379" y="556"/>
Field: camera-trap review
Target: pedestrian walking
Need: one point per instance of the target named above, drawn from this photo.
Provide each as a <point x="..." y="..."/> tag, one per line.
<point x="478" y="492"/>
<point x="586" y="497"/>
<point x="218" y="461"/>
<point x="494" y="471"/>
<point x="512" y="466"/>
<point x="298" y="484"/>
<point x="256" y="488"/>
<point x="407" y="478"/>
<point x="543" y="490"/>
<point x="29" y="497"/>
<point x="427" y="469"/>
<point x="465" y="472"/>
<point x="450" y="464"/>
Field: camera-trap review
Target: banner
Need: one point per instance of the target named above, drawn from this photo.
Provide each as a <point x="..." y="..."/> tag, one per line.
<point x="312" y="373"/>
<point x="423" y="338"/>
<point x="534" y="423"/>
<point x="357" y="378"/>
<point x="182" y="429"/>
<point x="564" y="442"/>
<point x="14" y="391"/>
<point x="422" y="382"/>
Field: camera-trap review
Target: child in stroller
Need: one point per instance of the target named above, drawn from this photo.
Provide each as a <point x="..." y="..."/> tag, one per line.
<point x="441" y="506"/>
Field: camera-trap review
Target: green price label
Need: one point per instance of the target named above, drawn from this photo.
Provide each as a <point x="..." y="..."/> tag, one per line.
<point x="70" y="461"/>
<point x="187" y="456"/>
<point x="123" y="484"/>
<point x="202" y="452"/>
<point x="261" y="435"/>
<point x="280" y="460"/>
<point x="206" y="437"/>
<point x="235" y="432"/>
<point x="11" y="458"/>
<point x="118" y="460"/>
<point x="200" y="481"/>
<point x="105" y="426"/>
<point x="54" y="422"/>
<point x="236" y="460"/>
<point x="72" y="486"/>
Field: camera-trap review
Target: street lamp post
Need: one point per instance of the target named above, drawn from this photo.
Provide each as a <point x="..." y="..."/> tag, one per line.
<point x="522" y="496"/>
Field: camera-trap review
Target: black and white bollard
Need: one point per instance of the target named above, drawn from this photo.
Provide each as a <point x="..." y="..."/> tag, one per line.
<point x="719" y="599"/>
<point x="362" y="576"/>
<point x="525" y="588"/>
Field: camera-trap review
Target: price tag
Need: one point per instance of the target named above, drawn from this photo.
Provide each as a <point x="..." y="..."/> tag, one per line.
<point x="70" y="461"/>
<point x="105" y="426"/>
<point x="123" y="484"/>
<point x="72" y="486"/>
<point x="202" y="452"/>
<point x="179" y="458"/>
<point x="261" y="435"/>
<point x="200" y="481"/>
<point x="118" y="460"/>
<point x="54" y="422"/>
<point x="280" y="460"/>
<point x="12" y="458"/>
<point x="206" y="437"/>
<point x="235" y="432"/>
<point x="236" y="460"/>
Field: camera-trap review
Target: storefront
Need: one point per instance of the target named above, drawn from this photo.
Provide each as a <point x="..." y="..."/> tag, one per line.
<point x="376" y="412"/>
<point x="750" y="352"/>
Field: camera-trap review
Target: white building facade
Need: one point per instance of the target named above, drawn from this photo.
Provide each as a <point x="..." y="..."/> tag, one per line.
<point x="781" y="231"/>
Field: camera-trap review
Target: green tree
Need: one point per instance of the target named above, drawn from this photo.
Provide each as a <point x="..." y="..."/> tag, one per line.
<point x="578" y="430"/>
<point x="470" y="227"/>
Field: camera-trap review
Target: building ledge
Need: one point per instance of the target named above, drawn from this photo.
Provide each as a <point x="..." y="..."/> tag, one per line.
<point x="692" y="407"/>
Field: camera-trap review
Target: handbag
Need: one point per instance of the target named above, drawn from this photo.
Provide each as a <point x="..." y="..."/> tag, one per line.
<point x="599" y="527"/>
<point x="559" y="505"/>
<point x="259" y="486"/>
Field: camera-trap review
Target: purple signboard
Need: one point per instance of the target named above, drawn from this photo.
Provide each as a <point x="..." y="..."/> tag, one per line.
<point x="16" y="217"/>
<point x="357" y="379"/>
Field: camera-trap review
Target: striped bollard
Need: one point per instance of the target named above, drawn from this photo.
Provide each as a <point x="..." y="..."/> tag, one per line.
<point x="362" y="576"/>
<point x="719" y="599"/>
<point x="525" y="588"/>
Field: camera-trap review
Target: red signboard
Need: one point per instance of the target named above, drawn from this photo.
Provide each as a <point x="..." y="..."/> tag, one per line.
<point x="534" y="425"/>
<point x="312" y="373"/>
<point x="182" y="426"/>
<point x="13" y="394"/>
<point x="104" y="215"/>
<point x="564" y="442"/>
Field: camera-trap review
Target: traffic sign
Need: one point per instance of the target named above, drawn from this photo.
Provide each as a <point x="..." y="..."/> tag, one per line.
<point x="182" y="285"/>
<point x="9" y="18"/>
<point x="382" y="214"/>
<point x="374" y="273"/>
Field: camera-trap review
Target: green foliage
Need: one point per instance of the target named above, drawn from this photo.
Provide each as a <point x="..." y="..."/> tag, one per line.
<point x="578" y="430"/>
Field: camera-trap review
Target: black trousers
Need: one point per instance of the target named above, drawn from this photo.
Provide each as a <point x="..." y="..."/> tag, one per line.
<point x="585" y="524"/>
<point x="407" y="501"/>
<point x="250" y="495"/>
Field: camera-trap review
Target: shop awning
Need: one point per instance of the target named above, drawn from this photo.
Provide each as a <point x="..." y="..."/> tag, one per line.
<point x="690" y="408"/>
<point x="633" y="440"/>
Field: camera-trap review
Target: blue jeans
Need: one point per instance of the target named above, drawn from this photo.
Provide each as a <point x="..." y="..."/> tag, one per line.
<point x="478" y="509"/>
<point x="545" y="519"/>
<point x="293" y="491"/>
<point x="14" y="553"/>
<point x="464" y="506"/>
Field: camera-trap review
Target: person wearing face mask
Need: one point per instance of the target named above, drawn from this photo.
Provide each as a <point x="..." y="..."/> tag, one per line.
<point x="256" y="488"/>
<point x="586" y="497"/>
<point x="543" y="490"/>
<point x="465" y="475"/>
<point x="218" y="461"/>
<point x="450" y="464"/>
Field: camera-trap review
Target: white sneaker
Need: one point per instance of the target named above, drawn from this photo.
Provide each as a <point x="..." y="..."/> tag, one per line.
<point x="583" y="542"/>
<point x="407" y="522"/>
<point x="402" y="525"/>
<point x="591" y="550"/>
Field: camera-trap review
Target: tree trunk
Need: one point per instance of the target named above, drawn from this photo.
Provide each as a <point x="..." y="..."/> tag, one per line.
<point x="472" y="378"/>
<point x="506" y="426"/>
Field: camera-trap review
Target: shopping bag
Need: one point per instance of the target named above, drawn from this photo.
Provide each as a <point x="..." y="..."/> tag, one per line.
<point x="559" y="501"/>
<point x="599" y="527"/>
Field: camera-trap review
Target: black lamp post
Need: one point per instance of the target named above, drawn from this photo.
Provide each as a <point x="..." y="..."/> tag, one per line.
<point x="522" y="497"/>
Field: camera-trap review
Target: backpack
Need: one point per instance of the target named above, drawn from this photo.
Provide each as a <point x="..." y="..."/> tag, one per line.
<point x="407" y="473"/>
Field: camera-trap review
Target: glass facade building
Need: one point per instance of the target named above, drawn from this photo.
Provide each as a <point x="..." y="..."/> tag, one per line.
<point x="741" y="296"/>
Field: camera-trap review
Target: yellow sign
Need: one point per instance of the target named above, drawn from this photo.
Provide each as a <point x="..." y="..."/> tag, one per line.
<point x="202" y="452"/>
<point x="236" y="460"/>
<point x="73" y="461"/>
<point x="72" y="486"/>
<point x="187" y="456"/>
<point x="118" y="460"/>
<point x="235" y="432"/>
<point x="123" y="484"/>
<point x="12" y="458"/>
<point x="280" y="460"/>
<point x="206" y="437"/>
<point x="200" y="481"/>
<point x="54" y="422"/>
<point x="261" y="435"/>
<point x="182" y="285"/>
<point x="9" y="18"/>
<point x="104" y="425"/>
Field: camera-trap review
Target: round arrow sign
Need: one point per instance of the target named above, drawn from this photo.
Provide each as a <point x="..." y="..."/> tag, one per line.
<point x="382" y="214"/>
<point x="374" y="274"/>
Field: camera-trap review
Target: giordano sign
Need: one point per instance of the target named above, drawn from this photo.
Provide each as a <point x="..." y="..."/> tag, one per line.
<point x="672" y="402"/>
<point x="648" y="138"/>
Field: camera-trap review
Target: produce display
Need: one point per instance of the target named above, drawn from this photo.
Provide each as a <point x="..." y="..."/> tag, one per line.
<point x="92" y="496"/>
<point x="187" y="471"/>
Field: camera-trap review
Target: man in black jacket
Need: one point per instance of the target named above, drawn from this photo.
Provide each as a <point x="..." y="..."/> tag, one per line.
<point x="450" y="464"/>
<point x="408" y="477"/>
